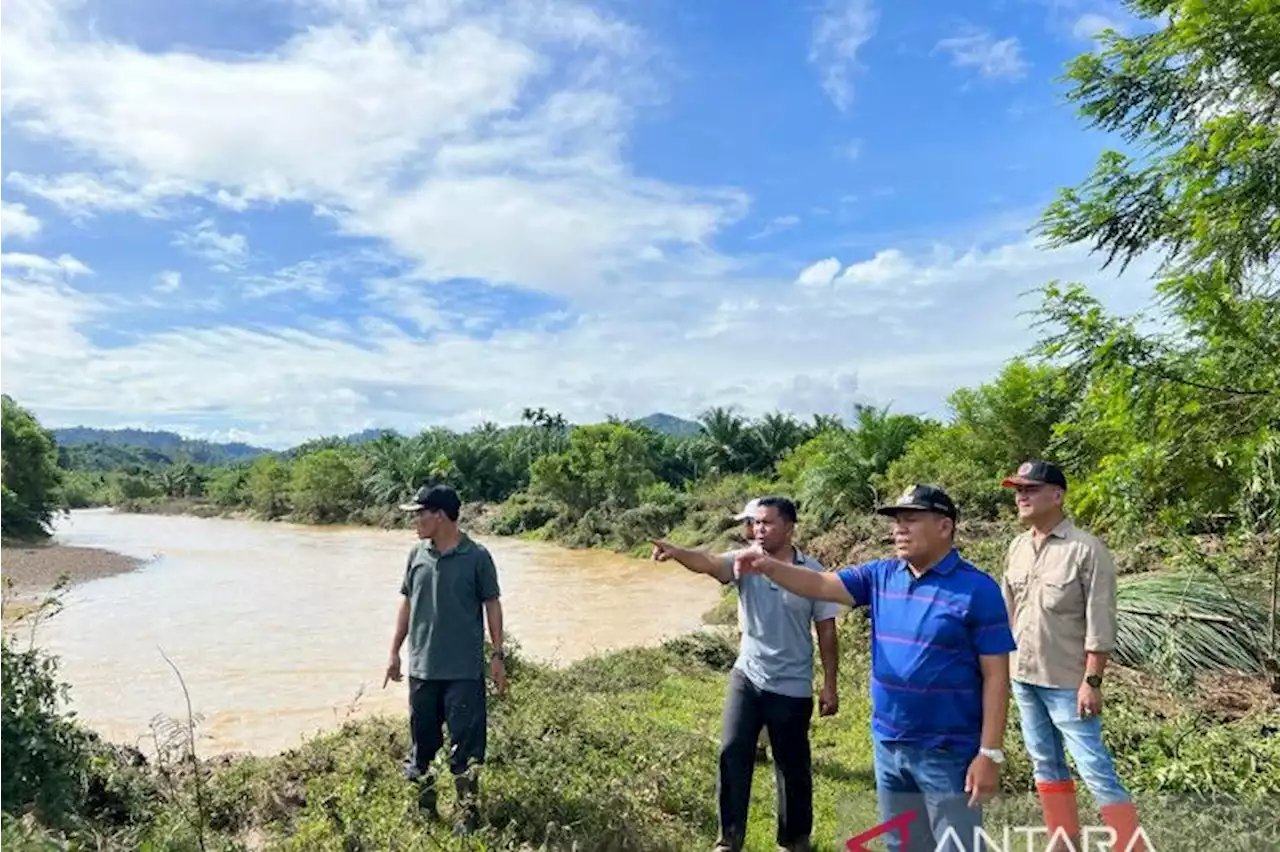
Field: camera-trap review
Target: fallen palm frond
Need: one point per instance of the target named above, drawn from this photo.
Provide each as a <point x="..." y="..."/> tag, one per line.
<point x="1193" y="623"/>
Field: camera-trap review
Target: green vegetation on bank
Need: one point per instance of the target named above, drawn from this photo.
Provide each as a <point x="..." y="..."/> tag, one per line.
<point x="1168" y="424"/>
<point x="615" y="752"/>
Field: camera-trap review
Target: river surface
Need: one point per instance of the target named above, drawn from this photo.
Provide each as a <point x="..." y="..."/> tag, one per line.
<point x="281" y="631"/>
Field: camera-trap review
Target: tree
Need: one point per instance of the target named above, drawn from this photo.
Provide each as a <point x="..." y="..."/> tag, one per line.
<point x="1191" y="395"/>
<point x="29" y="474"/>
<point x="777" y="434"/>
<point x="996" y="426"/>
<point x="323" y="487"/>
<point x="268" y="486"/>
<point x="836" y="472"/>
<point x="605" y="466"/>
<point x="729" y="444"/>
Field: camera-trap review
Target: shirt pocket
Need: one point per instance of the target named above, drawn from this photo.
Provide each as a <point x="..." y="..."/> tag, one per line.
<point x="1060" y="591"/>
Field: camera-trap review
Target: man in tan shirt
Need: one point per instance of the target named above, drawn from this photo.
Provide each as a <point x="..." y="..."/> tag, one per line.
<point x="1060" y="590"/>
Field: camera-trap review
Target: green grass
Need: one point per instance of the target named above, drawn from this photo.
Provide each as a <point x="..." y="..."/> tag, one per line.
<point x="619" y="752"/>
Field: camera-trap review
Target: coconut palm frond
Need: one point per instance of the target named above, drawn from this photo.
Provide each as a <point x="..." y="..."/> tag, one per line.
<point x="1193" y="623"/>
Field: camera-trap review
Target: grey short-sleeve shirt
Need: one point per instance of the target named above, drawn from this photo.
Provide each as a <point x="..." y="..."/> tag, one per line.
<point x="446" y="595"/>
<point x="776" y="653"/>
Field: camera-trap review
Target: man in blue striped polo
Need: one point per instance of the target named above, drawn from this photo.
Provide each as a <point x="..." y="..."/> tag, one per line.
<point x="940" y="645"/>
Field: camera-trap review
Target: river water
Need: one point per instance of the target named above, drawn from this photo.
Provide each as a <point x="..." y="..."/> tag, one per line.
<point x="281" y="631"/>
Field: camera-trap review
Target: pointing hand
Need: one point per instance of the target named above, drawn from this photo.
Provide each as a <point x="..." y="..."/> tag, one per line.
<point x="662" y="550"/>
<point x="750" y="561"/>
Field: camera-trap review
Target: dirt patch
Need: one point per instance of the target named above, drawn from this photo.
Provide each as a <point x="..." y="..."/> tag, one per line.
<point x="32" y="570"/>
<point x="1217" y="696"/>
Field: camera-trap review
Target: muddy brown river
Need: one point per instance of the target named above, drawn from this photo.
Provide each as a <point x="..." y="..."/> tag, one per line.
<point x="281" y="631"/>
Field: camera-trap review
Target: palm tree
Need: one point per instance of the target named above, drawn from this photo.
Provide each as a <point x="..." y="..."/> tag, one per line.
<point x="727" y="443"/>
<point x="776" y="434"/>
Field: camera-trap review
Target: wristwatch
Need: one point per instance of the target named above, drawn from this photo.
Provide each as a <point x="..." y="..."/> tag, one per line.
<point x="1094" y="680"/>
<point x="996" y="755"/>
<point x="497" y="652"/>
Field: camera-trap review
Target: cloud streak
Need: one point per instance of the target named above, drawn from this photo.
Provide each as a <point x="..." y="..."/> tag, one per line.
<point x="994" y="59"/>
<point x="839" y="32"/>
<point x="16" y="223"/>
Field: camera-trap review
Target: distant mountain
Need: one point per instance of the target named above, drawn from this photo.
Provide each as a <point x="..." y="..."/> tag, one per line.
<point x="169" y="444"/>
<point x="669" y="424"/>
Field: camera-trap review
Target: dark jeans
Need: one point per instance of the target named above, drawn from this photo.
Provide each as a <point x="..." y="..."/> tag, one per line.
<point x="748" y="708"/>
<point x="458" y="703"/>
<point x="929" y="784"/>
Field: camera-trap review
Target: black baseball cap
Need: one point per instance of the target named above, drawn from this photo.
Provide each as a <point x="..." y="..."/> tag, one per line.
<point x="922" y="498"/>
<point x="1037" y="472"/>
<point x="437" y="498"/>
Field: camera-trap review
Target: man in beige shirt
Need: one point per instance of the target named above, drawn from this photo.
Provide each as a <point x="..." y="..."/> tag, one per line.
<point x="1060" y="590"/>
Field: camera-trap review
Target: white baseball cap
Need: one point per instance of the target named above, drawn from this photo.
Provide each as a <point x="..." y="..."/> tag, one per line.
<point x="748" y="512"/>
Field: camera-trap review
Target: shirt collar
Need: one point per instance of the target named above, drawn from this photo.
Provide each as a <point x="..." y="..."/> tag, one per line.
<point x="464" y="544"/>
<point x="1062" y="529"/>
<point x="946" y="566"/>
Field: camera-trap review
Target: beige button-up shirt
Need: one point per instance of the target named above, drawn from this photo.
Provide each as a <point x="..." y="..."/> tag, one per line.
<point x="1061" y="598"/>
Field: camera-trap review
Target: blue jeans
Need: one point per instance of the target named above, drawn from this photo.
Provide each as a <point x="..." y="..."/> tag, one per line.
<point x="1050" y="721"/>
<point x="929" y="782"/>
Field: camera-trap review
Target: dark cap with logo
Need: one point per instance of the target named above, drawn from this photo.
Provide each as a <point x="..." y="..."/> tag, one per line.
<point x="921" y="498"/>
<point x="1037" y="472"/>
<point x="437" y="498"/>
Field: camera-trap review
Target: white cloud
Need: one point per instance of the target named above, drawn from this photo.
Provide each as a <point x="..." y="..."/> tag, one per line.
<point x="486" y="147"/>
<point x="224" y="251"/>
<point x="83" y="194"/>
<point x="36" y="266"/>
<point x="1091" y="24"/>
<point x="994" y="59"/>
<point x="839" y="32"/>
<point x="819" y="274"/>
<point x="308" y="277"/>
<point x="168" y="281"/>
<point x="39" y="332"/>
<point x="776" y="225"/>
<point x="855" y="335"/>
<point x="16" y="223"/>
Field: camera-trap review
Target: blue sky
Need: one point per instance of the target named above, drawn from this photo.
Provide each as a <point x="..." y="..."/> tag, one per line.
<point x="271" y="220"/>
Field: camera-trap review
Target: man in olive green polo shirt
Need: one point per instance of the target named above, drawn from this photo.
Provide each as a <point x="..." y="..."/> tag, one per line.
<point x="450" y="587"/>
<point x="1060" y="590"/>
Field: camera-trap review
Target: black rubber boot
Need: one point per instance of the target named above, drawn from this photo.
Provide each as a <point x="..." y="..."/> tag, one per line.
<point x="468" y="811"/>
<point x="427" y="798"/>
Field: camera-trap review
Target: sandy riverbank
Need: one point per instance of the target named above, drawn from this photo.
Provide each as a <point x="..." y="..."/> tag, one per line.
<point x="32" y="570"/>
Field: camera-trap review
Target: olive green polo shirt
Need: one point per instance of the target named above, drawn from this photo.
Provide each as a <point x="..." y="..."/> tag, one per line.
<point x="446" y="593"/>
<point x="1061" y="597"/>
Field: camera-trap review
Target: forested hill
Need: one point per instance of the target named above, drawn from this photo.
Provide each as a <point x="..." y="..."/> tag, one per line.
<point x="85" y="448"/>
<point x="109" y="449"/>
<point x="668" y="424"/>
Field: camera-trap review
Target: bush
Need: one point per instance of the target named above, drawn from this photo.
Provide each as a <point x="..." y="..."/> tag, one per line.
<point x="43" y="749"/>
<point x="523" y="512"/>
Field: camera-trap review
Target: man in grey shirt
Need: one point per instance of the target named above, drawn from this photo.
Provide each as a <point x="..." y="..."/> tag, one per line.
<point x="450" y="588"/>
<point x="772" y="680"/>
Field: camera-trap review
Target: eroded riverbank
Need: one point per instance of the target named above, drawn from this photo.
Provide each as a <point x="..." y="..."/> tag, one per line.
<point x="36" y="568"/>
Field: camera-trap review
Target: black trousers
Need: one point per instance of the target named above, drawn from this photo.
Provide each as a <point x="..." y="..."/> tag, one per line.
<point x="460" y="704"/>
<point x="747" y="709"/>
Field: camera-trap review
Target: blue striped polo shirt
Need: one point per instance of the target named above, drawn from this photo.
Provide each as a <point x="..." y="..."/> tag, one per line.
<point x="926" y="636"/>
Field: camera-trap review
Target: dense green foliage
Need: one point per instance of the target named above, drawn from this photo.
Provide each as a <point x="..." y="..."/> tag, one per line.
<point x="43" y="749"/>
<point x="29" y="474"/>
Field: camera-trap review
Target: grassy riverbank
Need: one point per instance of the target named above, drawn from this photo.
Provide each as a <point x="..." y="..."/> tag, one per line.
<point x="618" y="752"/>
